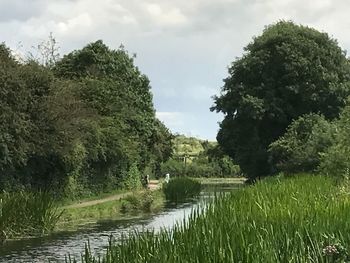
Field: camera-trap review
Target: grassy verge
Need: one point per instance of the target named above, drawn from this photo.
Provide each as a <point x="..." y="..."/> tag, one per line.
<point x="301" y="219"/>
<point x="134" y="204"/>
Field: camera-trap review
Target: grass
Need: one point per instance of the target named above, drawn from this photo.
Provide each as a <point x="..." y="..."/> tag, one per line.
<point x="181" y="188"/>
<point x="301" y="219"/>
<point x="27" y="214"/>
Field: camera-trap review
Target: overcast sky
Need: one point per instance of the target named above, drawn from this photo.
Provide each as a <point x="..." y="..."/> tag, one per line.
<point x="183" y="46"/>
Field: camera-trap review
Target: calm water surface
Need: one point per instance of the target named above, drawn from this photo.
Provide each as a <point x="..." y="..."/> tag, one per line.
<point x="54" y="247"/>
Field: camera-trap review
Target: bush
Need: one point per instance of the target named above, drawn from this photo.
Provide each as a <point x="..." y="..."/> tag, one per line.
<point x="336" y="159"/>
<point x="137" y="202"/>
<point x="132" y="179"/>
<point x="181" y="188"/>
<point x="301" y="147"/>
<point x="173" y="167"/>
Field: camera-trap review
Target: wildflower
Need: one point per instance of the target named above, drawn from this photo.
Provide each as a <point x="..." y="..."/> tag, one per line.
<point x="330" y="250"/>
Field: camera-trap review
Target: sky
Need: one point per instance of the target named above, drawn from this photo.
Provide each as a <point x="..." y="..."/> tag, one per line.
<point x="183" y="46"/>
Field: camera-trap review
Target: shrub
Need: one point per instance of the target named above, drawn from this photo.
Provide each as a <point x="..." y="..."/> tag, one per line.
<point x="136" y="202"/>
<point x="173" y="167"/>
<point x="301" y="147"/>
<point x="336" y="159"/>
<point x="133" y="178"/>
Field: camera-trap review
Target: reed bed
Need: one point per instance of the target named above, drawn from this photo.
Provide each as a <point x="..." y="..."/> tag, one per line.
<point x="301" y="219"/>
<point x="27" y="214"/>
<point x="181" y="188"/>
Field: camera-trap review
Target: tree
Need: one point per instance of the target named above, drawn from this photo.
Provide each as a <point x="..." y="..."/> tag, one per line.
<point x="128" y="132"/>
<point x="16" y="127"/>
<point x="288" y="71"/>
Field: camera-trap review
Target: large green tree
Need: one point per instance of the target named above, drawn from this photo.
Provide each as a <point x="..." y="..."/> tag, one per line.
<point x="288" y="71"/>
<point x="127" y="131"/>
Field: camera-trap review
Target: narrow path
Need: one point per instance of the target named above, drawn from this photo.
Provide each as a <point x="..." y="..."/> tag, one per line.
<point x="153" y="185"/>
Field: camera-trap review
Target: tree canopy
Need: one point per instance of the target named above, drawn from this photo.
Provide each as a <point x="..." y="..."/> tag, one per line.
<point x="288" y="71"/>
<point x="83" y="123"/>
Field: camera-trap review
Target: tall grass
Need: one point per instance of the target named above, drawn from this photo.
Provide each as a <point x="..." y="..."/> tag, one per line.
<point x="181" y="188"/>
<point x="304" y="219"/>
<point x="27" y="214"/>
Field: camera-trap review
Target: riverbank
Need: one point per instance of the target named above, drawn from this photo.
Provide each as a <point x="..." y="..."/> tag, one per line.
<point x="112" y="206"/>
<point x="300" y="219"/>
<point x="26" y="215"/>
<point x="117" y="206"/>
<point x="80" y="213"/>
<point x="221" y="181"/>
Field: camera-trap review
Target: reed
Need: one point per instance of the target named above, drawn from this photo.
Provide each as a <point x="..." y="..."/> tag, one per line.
<point x="302" y="219"/>
<point x="27" y="214"/>
<point x="181" y="188"/>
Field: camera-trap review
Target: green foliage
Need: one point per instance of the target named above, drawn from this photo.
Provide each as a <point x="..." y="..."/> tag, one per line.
<point x="201" y="167"/>
<point x="300" y="149"/>
<point x="27" y="214"/>
<point x="300" y="219"/>
<point x="173" y="167"/>
<point x="181" y="188"/>
<point x="133" y="178"/>
<point x="138" y="202"/>
<point x="17" y="102"/>
<point x="77" y="125"/>
<point x="193" y="157"/>
<point x="336" y="159"/>
<point x="288" y="71"/>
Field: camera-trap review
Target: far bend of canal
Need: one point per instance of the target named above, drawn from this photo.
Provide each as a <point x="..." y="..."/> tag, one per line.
<point x="55" y="247"/>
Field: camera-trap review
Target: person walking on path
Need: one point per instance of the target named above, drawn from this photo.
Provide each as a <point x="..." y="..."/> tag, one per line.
<point x="167" y="178"/>
<point x="145" y="181"/>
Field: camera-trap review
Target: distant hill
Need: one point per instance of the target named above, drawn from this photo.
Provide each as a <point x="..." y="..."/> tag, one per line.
<point x="190" y="146"/>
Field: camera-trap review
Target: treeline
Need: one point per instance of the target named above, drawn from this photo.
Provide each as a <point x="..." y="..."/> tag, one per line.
<point x="80" y="124"/>
<point x="193" y="157"/>
<point x="284" y="102"/>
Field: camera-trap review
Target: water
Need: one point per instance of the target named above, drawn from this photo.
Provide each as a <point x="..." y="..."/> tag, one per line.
<point x="54" y="247"/>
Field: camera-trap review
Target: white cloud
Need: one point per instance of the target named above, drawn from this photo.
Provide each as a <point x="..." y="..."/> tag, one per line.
<point x="162" y="17"/>
<point x="75" y="23"/>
